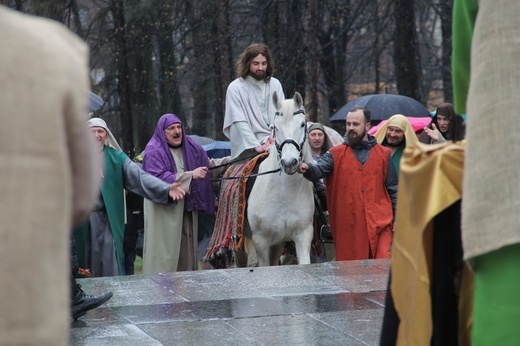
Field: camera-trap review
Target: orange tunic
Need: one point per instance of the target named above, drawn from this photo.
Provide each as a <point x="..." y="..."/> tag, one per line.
<point x="359" y="204"/>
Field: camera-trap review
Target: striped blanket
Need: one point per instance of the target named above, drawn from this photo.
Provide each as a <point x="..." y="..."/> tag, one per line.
<point x="229" y="225"/>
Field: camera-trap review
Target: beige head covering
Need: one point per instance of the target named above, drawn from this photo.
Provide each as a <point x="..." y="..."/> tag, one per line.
<point x="111" y="141"/>
<point x="400" y="121"/>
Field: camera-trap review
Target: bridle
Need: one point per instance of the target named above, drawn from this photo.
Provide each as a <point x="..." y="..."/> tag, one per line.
<point x="299" y="147"/>
<point x="279" y="148"/>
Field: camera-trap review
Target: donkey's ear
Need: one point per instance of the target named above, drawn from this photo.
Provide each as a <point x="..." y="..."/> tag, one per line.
<point x="298" y="100"/>
<point x="276" y="100"/>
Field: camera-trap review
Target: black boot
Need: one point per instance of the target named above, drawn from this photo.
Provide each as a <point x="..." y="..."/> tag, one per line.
<point x="82" y="302"/>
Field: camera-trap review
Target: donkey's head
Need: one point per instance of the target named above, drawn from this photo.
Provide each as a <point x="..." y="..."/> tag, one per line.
<point x="290" y="131"/>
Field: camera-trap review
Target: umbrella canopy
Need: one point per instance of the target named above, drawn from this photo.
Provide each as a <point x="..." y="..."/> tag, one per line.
<point x="202" y="140"/>
<point x="94" y="102"/>
<point x="383" y="106"/>
<point x="418" y="124"/>
<point x="215" y="150"/>
<point x="218" y="149"/>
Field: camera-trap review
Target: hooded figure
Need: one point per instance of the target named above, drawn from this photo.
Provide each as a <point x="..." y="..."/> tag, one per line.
<point x="451" y="128"/>
<point x="327" y="142"/>
<point x="111" y="140"/>
<point x="397" y="146"/>
<point x="171" y="233"/>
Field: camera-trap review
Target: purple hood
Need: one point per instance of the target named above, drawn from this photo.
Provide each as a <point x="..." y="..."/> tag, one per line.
<point x="158" y="161"/>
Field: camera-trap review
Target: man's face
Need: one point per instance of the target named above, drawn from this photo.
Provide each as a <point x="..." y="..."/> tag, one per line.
<point x="394" y="136"/>
<point x="443" y="122"/>
<point x="316" y="139"/>
<point x="173" y="134"/>
<point x="356" y="127"/>
<point x="258" y="67"/>
<point x="100" y="136"/>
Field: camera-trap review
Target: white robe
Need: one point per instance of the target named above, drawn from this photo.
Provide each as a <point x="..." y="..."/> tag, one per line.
<point x="245" y="123"/>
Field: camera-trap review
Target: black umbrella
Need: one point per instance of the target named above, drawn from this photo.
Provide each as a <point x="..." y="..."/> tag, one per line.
<point x="94" y="102"/>
<point x="383" y="106"/>
<point x="218" y="149"/>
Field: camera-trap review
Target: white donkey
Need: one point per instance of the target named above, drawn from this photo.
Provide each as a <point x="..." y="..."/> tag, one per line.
<point x="281" y="205"/>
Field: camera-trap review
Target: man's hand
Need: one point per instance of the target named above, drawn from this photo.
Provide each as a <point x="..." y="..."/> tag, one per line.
<point x="302" y="167"/>
<point x="200" y="173"/>
<point x="176" y="193"/>
<point x="266" y="146"/>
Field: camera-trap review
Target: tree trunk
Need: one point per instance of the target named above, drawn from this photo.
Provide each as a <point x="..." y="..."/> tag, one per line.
<point x="406" y="52"/>
<point x="170" y="99"/>
<point x="223" y="66"/>
<point x="446" y="26"/>
<point x="312" y="70"/>
<point x="53" y="9"/>
<point x="123" y="82"/>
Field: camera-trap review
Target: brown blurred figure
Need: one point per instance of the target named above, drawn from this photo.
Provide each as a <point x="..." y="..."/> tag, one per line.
<point x="49" y="174"/>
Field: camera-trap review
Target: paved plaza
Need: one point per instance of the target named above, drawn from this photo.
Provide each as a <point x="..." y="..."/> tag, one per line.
<point x="334" y="303"/>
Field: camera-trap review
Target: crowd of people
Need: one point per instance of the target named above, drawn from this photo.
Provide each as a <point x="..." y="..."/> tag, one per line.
<point x="356" y="182"/>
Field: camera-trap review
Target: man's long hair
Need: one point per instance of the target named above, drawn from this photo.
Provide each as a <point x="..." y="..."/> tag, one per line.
<point x="251" y="52"/>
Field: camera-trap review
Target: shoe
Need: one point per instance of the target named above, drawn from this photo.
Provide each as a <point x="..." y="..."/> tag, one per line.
<point x="83" y="302"/>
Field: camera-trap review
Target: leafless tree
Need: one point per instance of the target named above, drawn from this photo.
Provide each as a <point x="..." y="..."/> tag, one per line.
<point x="150" y="57"/>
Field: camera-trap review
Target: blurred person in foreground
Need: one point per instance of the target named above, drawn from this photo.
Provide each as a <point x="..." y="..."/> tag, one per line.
<point x="486" y="79"/>
<point x="49" y="178"/>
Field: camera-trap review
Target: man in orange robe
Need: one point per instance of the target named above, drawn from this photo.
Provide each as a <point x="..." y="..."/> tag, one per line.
<point x="361" y="185"/>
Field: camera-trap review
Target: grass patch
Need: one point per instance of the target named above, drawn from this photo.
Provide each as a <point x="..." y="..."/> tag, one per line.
<point x="138" y="265"/>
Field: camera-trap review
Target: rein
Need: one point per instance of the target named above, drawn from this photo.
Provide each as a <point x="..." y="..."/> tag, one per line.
<point x="244" y="176"/>
<point x="233" y="161"/>
<point x="248" y="176"/>
<point x="279" y="148"/>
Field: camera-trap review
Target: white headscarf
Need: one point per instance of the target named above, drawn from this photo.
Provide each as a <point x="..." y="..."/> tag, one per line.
<point x="111" y="140"/>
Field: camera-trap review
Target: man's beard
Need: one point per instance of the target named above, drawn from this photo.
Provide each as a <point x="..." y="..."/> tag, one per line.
<point x="394" y="145"/>
<point x="258" y="77"/>
<point x="354" y="139"/>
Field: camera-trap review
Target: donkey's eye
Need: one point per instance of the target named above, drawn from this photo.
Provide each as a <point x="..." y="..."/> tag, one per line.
<point x="303" y="124"/>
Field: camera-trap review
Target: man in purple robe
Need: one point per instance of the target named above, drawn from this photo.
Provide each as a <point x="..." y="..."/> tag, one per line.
<point x="171" y="233"/>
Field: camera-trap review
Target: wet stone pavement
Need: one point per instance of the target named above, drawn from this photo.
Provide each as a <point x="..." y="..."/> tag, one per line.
<point x="334" y="303"/>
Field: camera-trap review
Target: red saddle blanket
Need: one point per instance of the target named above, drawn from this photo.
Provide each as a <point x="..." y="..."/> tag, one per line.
<point x="229" y="225"/>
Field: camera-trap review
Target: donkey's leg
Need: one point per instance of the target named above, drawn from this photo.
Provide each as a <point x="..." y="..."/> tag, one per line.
<point x="249" y="247"/>
<point x="262" y="249"/>
<point x="302" y="242"/>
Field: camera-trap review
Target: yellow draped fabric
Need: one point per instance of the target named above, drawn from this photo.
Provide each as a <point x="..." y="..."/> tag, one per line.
<point x="429" y="182"/>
